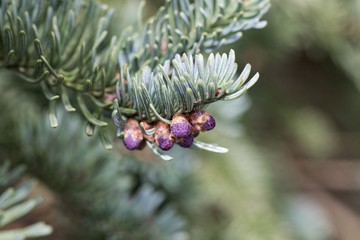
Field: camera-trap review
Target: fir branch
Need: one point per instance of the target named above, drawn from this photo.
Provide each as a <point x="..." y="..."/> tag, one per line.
<point x="182" y="86"/>
<point x="53" y="43"/>
<point x="183" y="27"/>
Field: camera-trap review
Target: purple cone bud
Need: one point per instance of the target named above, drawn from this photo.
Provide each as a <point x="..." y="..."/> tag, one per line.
<point x="186" y="142"/>
<point x="202" y="121"/>
<point x="163" y="137"/>
<point x="180" y="126"/>
<point x="165" y="143"/>
<point x="208" y="124"/>
<point x="133" y="136"/>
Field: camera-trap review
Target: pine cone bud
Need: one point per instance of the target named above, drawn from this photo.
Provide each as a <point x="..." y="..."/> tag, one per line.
<point x="180" y="126"/>
<point x="186" y="142"/>
<point x="133" y="136"/>
<point x="202" y="121"/>
<point x="163" y="137"/>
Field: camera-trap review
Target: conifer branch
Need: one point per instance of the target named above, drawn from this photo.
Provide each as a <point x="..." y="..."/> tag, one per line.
<point x="181" y="86"/>
<point x="155" y="73"/>
<point x="183" y="27"/>
<point x="54" y="43"/>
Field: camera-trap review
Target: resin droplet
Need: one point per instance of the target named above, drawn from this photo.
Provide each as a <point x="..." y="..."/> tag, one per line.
<point x="163" y="136"/>
<point x="133" y="136"/>
<point x="202" y="121"/>
<point x="180" y="126"/>
<point x="186" y="142"/>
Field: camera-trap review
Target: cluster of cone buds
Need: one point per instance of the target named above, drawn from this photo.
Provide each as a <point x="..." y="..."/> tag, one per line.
<point x="182" y="130"/>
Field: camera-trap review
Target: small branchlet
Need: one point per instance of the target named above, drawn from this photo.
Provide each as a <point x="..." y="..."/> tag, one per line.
<point x="172" y="98"/>
<point x="184" y="27"/>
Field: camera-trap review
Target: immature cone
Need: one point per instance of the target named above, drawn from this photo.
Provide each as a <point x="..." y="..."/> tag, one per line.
<point x="202" y="121"/>
<point x="163" y="136"/>
<point x="180" y="126"/>
<point x="186" y="142"/>
<point x="133" y="136"/>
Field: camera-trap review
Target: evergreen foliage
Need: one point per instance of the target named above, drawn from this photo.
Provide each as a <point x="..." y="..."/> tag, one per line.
<point x="150" y="74"/>
<point x="51" y="43"/>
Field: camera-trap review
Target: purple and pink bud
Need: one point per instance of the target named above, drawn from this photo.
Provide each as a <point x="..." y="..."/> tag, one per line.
<point x="163" y="137"/>
<point x="133" y="136"/>
<point x="202" y="121"/>
<point x="180" y="126"/>
<point x="186" y="142"/>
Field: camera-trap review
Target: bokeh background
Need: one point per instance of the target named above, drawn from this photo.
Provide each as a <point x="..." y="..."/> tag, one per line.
<point x="293" y="169"/>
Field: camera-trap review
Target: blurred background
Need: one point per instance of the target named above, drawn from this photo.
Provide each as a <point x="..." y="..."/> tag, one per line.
<point x="293" y="167"/>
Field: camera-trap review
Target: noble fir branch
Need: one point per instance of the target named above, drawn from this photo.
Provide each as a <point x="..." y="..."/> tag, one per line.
<point x="175" y="94"/>
<point x="154" y="80"/>
<point x="181" y="86"/>
<point x="58" y="44"/>
<point x="181" y="26"/>
<point x="14" y="204"/>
